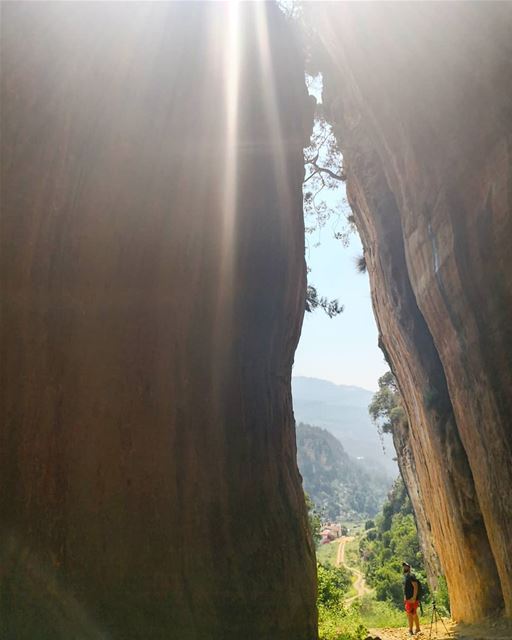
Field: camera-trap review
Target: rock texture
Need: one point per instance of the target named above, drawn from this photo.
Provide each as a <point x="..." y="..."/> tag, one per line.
<point x="421" y="95"/>
<point x="405" y="451"/>
<point x="153" y="286"/>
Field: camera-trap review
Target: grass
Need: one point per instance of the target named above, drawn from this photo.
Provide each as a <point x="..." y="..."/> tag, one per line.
<point x="352" y="553"/>
<point x="326" y="553"/>
<point x="354" y="527"/>
<point x="384" y="615"/>
<point x="380" y="615"/>
<point x="352" y="591"/>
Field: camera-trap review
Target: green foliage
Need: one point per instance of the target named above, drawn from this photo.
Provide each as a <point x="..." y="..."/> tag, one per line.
<point x="377" y="614"/>
<point x="388" y="583"/>
<point x="313" y="301"/>
<point x="335" y="621"/>
<point x="382" y="551"/>
<point x="386" y="407"/>
<point x="340" y="624"/>
<point x="326" y="553"/>
<point x="442" y="597"/>
<point x="352" y="553"/>
<point x="323" y="178"/>
<point x="323" y="195"/>
<point x="360" y="262"/>
<point x="338" y="485"/>
<point x="394" y="540"/>
<point x="313" y="519"/>
<point x="333" y="585"/>
<point x="369" y="524"/>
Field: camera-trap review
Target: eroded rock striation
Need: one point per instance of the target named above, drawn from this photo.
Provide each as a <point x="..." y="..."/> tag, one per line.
<point x="421" y="97"/>
<point x="153" y="286"/>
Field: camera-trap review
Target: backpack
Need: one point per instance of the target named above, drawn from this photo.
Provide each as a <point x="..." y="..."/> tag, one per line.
<point x="420" y="589"/>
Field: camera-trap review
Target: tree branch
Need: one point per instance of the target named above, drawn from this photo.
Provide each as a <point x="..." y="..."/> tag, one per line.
<point x="340" y="177"/>
<point x="311" y="175"/>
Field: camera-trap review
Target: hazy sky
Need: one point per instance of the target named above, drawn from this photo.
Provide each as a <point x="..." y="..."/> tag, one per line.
<point x="343" y="349"/>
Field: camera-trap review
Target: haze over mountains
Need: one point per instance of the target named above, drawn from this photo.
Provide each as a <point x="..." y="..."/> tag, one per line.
<point x="340" y="486"/>
<point x="343" y="411"/>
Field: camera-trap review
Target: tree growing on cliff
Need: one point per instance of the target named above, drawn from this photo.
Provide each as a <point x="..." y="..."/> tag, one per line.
<point x="322" y="161"/>
<point x="323" y="180"/>
<point x="386" y="408"/>
<point x="313" y="301"/>
<point x="313" y="519"/>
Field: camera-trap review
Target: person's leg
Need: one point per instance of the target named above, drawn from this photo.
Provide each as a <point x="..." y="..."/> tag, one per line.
<point x="416" y="621"/>
<point x="410" y="618"/>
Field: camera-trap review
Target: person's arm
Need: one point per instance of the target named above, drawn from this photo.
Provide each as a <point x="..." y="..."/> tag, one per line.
<point x="415" y="591"/>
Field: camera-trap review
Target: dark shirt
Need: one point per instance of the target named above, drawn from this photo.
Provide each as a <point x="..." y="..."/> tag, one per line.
<point x="408" y="586"/>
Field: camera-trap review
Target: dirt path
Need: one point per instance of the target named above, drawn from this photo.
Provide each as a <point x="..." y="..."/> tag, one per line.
<point x="490" y="630"/>
<point x="359" y="583"/>
<point x="403" y="634"/>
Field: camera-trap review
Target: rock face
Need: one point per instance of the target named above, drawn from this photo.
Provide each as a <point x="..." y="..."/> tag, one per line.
<point x="153" y="286"/>
<point x="421" y="96"/>
<point x="405" y="451"/>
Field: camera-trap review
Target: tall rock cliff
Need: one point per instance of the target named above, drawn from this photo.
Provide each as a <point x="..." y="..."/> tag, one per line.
<point x="406" y="458"/>
<point x="421" y="97"/>
<point x="153" y="286"/>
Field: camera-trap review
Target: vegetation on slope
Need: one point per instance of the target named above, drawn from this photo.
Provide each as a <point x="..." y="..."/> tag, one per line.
<point x="387" y="542"/>
<point x="340" y="487"/>
<point x="337" y="621"/>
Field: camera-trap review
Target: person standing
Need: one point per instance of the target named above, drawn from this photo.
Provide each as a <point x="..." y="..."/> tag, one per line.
<point x="411" y="598"/>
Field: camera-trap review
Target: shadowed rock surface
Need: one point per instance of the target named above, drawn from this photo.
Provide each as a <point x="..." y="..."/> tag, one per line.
<point x="407" y="462"/>
<point x="421" y="96"/>
<point x="153" y="286"/>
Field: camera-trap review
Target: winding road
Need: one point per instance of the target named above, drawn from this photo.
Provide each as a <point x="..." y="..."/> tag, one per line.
<point x="359" y="583"/>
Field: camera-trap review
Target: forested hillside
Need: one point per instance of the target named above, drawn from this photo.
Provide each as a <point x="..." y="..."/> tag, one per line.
<point x="340" y="486"/>
<point x="343" y="410"/>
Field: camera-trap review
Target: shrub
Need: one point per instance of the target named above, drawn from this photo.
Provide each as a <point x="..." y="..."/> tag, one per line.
<point x="333" y="585"/>
<point x="442" y="597"/>
<point x="340" y="624"/>
<point x="335" y="621"/>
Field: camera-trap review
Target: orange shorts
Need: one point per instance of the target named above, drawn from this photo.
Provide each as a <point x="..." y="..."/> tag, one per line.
<point x="412" y="607"/>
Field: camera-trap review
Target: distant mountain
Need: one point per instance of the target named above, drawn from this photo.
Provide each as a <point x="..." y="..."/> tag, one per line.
<point x="340" y="487"/>
<point x="343" y="410"/>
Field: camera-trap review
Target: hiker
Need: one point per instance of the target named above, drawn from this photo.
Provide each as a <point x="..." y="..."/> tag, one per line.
<point x="411" y="597"/>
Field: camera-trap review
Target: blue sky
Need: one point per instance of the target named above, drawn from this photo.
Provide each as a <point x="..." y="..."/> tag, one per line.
<point x="342" y="349"/>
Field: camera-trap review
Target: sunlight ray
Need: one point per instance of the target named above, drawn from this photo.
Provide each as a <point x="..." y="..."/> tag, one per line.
<point x="272" y="107"/>
<point x="231" y="96"/>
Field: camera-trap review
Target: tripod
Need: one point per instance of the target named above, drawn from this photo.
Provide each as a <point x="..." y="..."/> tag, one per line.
<point x="434" y="618"/>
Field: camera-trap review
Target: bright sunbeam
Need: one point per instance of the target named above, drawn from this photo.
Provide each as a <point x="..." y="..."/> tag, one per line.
<point x="271" y="105"/>
<point x="231" y="96"/>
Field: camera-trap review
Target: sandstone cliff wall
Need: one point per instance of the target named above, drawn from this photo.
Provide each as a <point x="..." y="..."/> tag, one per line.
<point x="153" y="285"/>
<point x="421" y="95"/>
<point x="405" y="451"/>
